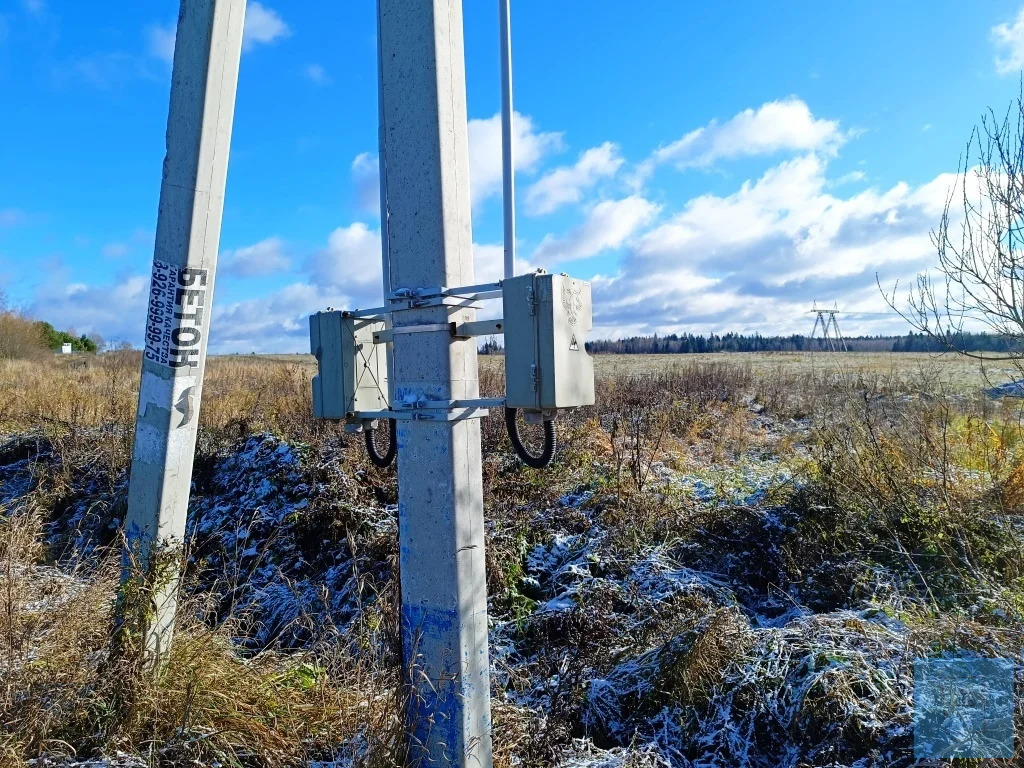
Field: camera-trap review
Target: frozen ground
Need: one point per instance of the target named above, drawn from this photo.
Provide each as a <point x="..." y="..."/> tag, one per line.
<point x="709" y="648"/>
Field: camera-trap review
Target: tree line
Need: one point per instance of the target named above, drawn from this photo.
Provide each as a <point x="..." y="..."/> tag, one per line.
<point x="688" y="343"/>
<point x="22" y="337"/>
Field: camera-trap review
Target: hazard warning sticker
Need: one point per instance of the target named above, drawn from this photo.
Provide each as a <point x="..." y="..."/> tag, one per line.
<point x="573" y="344"/>
<point x="178" y="310"/>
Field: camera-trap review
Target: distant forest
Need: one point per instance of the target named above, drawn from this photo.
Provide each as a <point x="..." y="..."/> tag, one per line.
<point x="682" y="344"/>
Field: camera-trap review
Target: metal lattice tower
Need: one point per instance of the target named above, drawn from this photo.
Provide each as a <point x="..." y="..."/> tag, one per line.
<point x="827" y="319"/>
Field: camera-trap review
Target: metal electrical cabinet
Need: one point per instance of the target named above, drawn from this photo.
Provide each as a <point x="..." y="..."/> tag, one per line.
<point x="352" y="371"/>
<point x="547" y="318"/>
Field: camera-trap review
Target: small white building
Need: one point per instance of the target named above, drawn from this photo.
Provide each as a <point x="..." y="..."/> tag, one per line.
<point x="65" y="349"/>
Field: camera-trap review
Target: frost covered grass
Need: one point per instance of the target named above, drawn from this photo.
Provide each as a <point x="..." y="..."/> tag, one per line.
<point x="731" y="564"/>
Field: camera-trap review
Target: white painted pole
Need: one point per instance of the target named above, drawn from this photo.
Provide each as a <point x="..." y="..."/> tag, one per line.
<point x="507" y="150"/>
<point x="204" y="80"/>
<point x="440" y="496"/>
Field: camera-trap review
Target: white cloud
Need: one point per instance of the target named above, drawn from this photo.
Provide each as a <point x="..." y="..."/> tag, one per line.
<point x="850" y="178"/>
<point x="262" y="25"/>
<point x="265" y="258"/>
<point x="608" y="224"/>
<point x="1008" y="39"/>
<point x="10" y="217"/>
<point x="115" y="310"/>
<point x="105" y="69"/>
<point x="275" y="323"/>
<point x="565" y="185"/>
<point x="751" y="259"/>
<point x="350" y="262"/>
<point x="756" y="259"/>
<point x="773" y="127"/>
<point x="529" y="146"/>
<point x="366" y="178"/>
<point x="318" y="74"/>
<point x="489" y="263"/>
<point x="116" y="250"/>
<point x="160" y="41"/>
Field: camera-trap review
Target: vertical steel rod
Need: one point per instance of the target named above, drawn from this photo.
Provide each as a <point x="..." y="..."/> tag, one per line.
<point x="204" y="80"/>
<point x="507" y="150"/>
<point x="382" y="173"/>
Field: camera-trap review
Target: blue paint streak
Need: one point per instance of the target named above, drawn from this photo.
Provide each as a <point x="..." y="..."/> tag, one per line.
<point x="436" y="712"/>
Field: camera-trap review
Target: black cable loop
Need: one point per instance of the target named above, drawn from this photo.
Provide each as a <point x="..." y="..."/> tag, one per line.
<point x="546" y="456"/>
<point x="388" y="458"/>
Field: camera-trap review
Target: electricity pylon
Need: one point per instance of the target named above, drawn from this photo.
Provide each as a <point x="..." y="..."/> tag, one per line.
<point x="827" y="319"/>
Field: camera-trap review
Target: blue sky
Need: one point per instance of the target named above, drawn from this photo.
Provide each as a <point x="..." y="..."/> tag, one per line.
<point x="711" y="167"/>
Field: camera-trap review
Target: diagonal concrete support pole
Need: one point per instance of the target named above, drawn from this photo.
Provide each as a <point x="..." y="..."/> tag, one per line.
<point x="426" y="216"/>
<point x="205" y="76"/>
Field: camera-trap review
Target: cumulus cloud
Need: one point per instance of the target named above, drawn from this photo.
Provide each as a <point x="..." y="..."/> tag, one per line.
<point x="489" y="263"/>
<point x="1008" y="39"/>
<point x="116" y="250"/>
<point x="160" y="41"/>
<point x="773" y="127"/>
<point x="10" y="217"/>
<point x="366" y="179"/>
<point x="262" y="25"/>
<point x="530" y="148"/>
<point x="318" y="74"/>
<point x="275" y="323"/>
<point x="756" y="259"/>
<point x="350" y="262"/>
<point x="566" y="185"/>
<point x="752" y="258"/>
<point x="265" y="258"/>
<point x="607" y="225"/>
<point x="115" y="310"/>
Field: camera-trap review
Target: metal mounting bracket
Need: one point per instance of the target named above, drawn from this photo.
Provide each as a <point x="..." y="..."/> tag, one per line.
<point x="460" y="331"/>
<point x="458" y="414"/>
<point x="435" y="410"/>
<point x="479" y="328"/>
<point x="401" y="305"/>
<point x="420" y="297"/>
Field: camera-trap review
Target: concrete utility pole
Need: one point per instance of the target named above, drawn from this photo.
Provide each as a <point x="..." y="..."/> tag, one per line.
<point x="205" y="76"/>
<point x="429" y="242"/>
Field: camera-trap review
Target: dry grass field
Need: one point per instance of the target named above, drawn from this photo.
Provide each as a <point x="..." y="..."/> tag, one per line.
<point x="735" y="561"/>
<point x="949" y="369"/>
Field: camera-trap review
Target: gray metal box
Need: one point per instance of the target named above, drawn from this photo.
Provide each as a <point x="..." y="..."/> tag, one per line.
<point x="547" y="318"/>
<point x="352" y="371"/>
